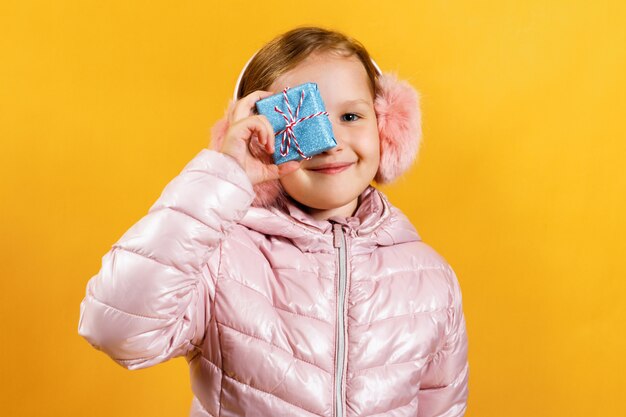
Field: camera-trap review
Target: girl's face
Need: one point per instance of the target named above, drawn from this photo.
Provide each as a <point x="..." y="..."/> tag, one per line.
<point x="330" y="183"/>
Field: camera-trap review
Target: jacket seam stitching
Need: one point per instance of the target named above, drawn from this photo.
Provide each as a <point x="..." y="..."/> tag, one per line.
<point x="246" y="244"/>
<point x="277" y="347"/>
<point x="300" y="315"/>
<point x="134" y="252"/>
<point x="465" y="368"/>
<point x="362" y="370"/>
<point x="209" y="361"/>
<point x="311" y="272"/>
<point x="412" y="313"/>
<point x="393" y="408"/>
<point x="179" y="210"/>
<point x="204" y="409"/>
<point x="223" y="178"/>
<point x="273" y="395"/>
<point x="136" y="360"/>
<point x="127" y="312"/>
<point x="314" y="273"/>
<point x="419" y="268"/>
<point x="275" y="307"/>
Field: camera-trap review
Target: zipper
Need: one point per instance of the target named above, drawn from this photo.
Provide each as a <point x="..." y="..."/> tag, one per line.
<point x="339" y="242"/>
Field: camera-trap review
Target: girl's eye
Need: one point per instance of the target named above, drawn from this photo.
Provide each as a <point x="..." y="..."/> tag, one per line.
<point x="349" y="117"/>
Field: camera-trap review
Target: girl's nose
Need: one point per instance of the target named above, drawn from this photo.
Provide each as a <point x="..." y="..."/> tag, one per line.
<point x="337" y="148"/>
<point x="337" y="135"/>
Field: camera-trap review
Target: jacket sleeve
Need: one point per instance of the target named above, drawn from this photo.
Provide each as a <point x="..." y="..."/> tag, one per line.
<point x="444" y="387"/>
<point x="148" y="302"/>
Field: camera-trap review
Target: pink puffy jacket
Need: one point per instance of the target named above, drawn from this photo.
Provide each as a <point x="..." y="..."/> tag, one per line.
<point x="279" y="314"/>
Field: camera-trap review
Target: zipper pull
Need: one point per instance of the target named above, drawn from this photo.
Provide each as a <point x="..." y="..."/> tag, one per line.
<point x="337" y="232"/>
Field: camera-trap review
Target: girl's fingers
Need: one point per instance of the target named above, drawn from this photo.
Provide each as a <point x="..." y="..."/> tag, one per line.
<point x="244" y="106"/>
<point x="251" y="129"/>
<point x="288" y="167"/>
<point x="274" y="172"/>
<point x="250" y="132"/>
<point x="268" y="139"/>
<point x="263" y="134"/>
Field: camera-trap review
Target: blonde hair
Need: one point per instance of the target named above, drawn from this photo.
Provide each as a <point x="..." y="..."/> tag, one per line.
<point x="286" y="51"/>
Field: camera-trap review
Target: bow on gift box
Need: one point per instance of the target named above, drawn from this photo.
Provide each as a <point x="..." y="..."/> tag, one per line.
<point x="292" y="121"/>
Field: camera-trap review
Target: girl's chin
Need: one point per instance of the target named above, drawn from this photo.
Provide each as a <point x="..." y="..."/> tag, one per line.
<point x="325" y="205"/>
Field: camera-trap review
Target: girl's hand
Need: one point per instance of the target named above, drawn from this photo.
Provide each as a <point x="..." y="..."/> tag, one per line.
<point x="250" y="139"/>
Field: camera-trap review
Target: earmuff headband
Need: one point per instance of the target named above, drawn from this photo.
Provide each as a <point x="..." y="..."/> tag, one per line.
<point x="378" y="71"/>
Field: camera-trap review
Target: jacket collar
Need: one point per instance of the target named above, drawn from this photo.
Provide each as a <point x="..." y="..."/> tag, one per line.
<point x="375" y="219"/>
<point x="372" y="210"/>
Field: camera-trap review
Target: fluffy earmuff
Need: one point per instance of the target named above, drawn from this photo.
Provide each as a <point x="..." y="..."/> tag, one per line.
<point x="399" y="127"/>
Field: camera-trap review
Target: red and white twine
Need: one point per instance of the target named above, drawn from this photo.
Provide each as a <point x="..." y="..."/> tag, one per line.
<point x="292" y="121"/>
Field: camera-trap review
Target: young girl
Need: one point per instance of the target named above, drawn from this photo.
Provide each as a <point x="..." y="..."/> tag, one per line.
<point x="298" y="289"/>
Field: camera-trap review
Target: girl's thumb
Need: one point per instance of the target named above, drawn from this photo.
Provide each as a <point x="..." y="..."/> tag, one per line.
<point x="288" y="168"/>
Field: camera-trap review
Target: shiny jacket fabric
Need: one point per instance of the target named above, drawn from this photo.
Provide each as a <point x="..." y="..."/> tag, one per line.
<point x="279" y="314"/>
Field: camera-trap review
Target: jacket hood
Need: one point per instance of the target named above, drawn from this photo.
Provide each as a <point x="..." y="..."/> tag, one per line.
<point x="376" y="221"/>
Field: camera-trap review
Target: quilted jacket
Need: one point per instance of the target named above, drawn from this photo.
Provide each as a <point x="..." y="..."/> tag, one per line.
<point x="279" y="314"/>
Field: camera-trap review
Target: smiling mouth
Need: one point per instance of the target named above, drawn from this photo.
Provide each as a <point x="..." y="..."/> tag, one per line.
<point x="331" y="168"/>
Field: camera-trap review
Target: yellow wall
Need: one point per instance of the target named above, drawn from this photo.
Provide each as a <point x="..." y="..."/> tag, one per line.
<point x="520" y="184"/>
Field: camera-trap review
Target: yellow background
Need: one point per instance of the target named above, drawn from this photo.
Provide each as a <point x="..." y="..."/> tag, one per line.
<point x="520" y="183"/>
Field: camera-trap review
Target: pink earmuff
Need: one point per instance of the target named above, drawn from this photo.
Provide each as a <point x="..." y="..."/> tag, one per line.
<point x="399" y="128"/>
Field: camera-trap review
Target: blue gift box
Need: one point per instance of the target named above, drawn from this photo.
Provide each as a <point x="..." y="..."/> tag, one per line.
<point x="300" y="123"/>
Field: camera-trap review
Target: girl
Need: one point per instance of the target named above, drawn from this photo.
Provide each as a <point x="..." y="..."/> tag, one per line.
<point x="292" y="290"/>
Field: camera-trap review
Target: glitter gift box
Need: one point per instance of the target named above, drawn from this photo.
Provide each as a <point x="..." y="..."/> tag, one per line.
<point x="300" y="123"/>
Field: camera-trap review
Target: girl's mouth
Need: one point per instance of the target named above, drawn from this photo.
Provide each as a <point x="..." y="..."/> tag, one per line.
<point x="331" y="168"/>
